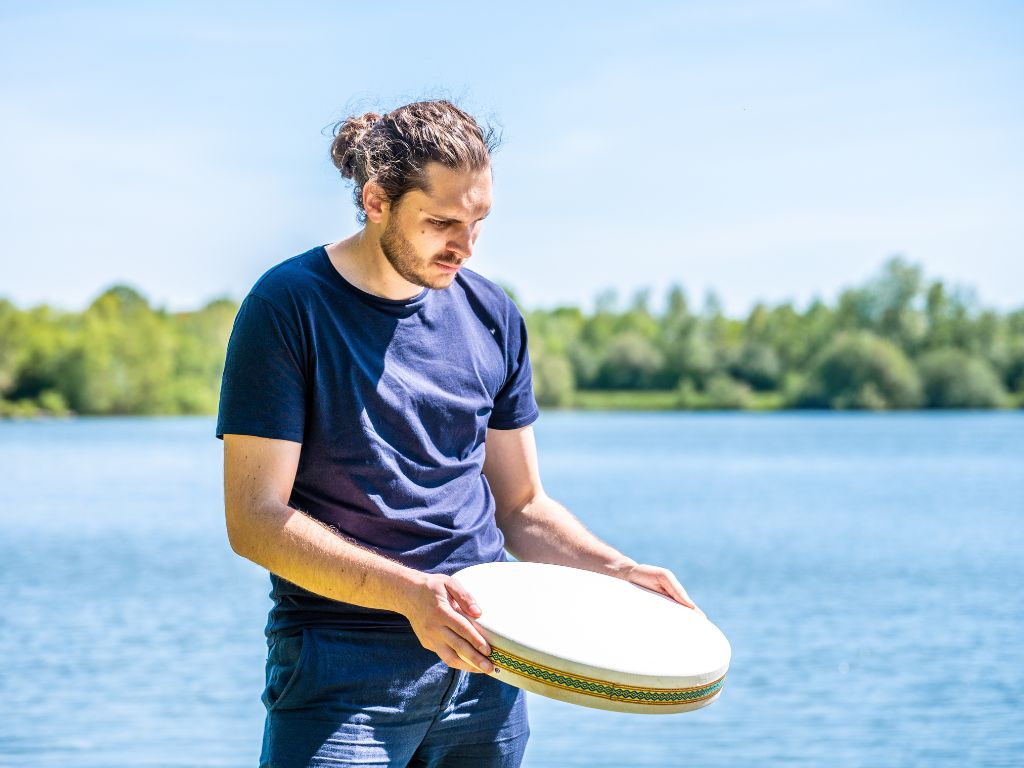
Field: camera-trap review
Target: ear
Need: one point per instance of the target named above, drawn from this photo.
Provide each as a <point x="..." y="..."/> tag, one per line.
<point x="375" y="202"/>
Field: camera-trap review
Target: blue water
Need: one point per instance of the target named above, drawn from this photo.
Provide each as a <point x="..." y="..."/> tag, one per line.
<point x="867" y="569"/>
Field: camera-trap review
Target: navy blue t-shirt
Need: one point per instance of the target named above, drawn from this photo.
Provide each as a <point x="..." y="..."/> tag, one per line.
<point x="391" y="401"/>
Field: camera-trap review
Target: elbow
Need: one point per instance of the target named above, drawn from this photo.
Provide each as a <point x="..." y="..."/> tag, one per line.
<point x="239" y="532"/>
<point x="514" y="510"/>
<point x="503" y="516"/>
<point x="238" y="543"/>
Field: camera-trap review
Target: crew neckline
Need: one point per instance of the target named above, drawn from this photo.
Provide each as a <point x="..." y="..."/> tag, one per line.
<point x="370" y="298"/>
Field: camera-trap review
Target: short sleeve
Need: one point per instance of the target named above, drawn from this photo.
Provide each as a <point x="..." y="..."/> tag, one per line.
<point x="515" y="405"/>
<point x="263" y="392"/>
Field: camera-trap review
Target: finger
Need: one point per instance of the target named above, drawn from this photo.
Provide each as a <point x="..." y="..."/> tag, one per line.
<point x="658" y="579"/>
<point x="453" y="660"/>
<point x="676" y="592"/>
<point x="465" y="600"/>
<point x="676" y="589"/>
<point x="665" y="582"/>
<point x="690" y="604"/>
<point x="467" y="653"/>
<point x="468" y="657"/>
<point x="469" y="633"/>
<point x="465" y="629"/>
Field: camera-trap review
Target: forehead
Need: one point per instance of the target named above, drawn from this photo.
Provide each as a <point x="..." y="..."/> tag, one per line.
<point x="458" y="193"/>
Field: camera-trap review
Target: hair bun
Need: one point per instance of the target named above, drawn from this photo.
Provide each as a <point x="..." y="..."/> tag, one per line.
<point x="347" y="135"/>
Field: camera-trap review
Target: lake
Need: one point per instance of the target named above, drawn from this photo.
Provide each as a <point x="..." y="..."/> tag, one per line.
<point x="868" y="570"/>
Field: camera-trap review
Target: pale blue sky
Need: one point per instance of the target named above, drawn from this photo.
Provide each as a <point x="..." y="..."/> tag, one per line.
<point x="768" y="150"/>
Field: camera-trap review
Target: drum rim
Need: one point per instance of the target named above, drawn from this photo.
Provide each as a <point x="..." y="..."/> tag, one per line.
<point x="596" y="683"/>
<point x="616" y="687"/>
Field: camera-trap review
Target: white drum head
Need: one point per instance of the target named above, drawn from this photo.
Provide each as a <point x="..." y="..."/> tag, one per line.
<point x="595" y="640"/>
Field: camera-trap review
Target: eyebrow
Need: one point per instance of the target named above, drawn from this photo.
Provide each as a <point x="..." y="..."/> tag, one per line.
<point x="452" y="220"/>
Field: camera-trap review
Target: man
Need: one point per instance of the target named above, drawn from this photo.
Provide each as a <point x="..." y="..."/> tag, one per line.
<point x="376" y="411"/>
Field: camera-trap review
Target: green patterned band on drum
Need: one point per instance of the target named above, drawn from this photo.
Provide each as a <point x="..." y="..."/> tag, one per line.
<point x="602" y="688"/>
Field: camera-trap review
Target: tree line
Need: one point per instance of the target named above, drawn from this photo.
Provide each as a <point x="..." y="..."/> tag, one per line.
<point x="897" y="342"/>
<point x="118" y="356"/>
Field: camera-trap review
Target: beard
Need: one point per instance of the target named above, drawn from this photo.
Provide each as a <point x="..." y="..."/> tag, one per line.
<point x="403" y="259"/>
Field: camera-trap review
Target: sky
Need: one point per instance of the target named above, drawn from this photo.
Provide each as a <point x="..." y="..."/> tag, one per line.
<point x="768" y="151"/>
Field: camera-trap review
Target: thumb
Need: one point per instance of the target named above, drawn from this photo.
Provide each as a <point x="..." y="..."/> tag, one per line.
<point x="462" y="597"/>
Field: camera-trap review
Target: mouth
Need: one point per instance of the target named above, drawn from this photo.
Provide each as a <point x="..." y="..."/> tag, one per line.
<point x="447" y="266"/>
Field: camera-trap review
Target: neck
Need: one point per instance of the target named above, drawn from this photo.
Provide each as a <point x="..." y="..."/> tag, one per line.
<point x="360" y="260"/>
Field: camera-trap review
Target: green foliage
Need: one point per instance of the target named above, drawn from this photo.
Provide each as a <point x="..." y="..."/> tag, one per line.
<point x="954" y="379"/>
<point x="861" y="371"/>
<point x="631" y="361"/>
<point x="725" y="393"/>
<point x="12" y="346"/>
<point x="625" y="400"/>
<point x="125" y="359"/>
<point x="888" y="305"/>
<point x="1013" y="366"/>
<point x="898" y="341"/>
<point x="758" y="365"/>
<point x="119" y="356"/>
<point x="553" y="382"/>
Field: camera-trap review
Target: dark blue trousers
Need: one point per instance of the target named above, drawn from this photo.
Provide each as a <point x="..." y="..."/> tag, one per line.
<point x="372" y="697"/>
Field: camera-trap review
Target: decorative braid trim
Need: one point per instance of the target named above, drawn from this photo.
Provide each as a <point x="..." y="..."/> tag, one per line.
<point x="602" y="688"/>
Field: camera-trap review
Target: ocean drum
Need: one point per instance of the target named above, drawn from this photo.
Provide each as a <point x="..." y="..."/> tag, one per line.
<point x="594" y="640"/>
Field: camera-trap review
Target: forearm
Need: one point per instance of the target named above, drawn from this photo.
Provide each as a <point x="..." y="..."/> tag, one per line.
<point x="545" y="531"/>
<point x="304" y="551"/>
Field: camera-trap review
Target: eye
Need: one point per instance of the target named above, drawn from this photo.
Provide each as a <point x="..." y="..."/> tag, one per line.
<point x="438" y="223"/>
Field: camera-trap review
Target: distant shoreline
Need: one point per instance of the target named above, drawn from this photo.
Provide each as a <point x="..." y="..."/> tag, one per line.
<point x="613" y="401"/>
<point x="898" y="343"/>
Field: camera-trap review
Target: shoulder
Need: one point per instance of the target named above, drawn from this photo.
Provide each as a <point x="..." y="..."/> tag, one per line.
<point x="487" y="295"/>
<point x="291" y="283"/>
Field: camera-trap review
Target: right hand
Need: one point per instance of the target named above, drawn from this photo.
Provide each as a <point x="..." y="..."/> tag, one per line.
<point x="439" y="610"/>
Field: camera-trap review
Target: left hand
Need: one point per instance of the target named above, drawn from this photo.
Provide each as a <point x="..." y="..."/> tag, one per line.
<point x="660" y="580"/>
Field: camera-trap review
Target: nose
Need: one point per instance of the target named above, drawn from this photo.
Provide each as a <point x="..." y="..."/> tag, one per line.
<point x="462" y="240"/>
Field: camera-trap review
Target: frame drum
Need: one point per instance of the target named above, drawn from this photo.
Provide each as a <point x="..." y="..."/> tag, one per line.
<point x="595" y="640"/>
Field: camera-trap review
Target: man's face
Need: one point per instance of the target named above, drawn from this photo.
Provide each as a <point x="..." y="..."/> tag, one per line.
<point x="429" y="235"/>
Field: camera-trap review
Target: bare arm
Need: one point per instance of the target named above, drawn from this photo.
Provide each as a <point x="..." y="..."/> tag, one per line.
<point x="538" y="528"/>
<point x="258" y="478"/>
